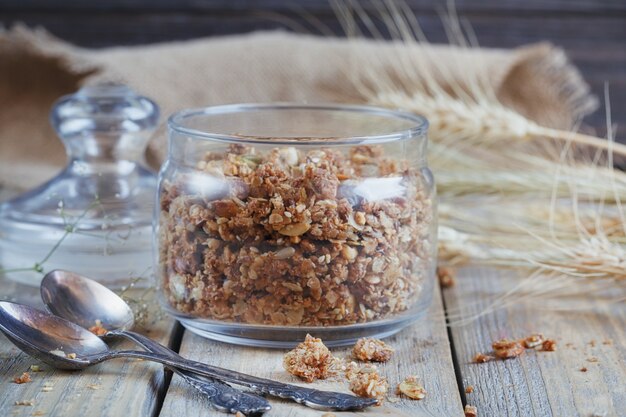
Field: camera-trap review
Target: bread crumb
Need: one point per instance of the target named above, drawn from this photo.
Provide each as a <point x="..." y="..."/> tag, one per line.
<point x="22" y="379"/>
<point x="367" y="349"/>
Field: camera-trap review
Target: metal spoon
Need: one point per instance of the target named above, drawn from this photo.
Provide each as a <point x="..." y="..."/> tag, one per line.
<point x="40" y="334"/>
<point x="84" y="301"/>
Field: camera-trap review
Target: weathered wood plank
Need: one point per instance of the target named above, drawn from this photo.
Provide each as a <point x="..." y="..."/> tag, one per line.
<point x="115" y="388"/>
<point x="421" y="350"/>
<point x="539" y="383"/>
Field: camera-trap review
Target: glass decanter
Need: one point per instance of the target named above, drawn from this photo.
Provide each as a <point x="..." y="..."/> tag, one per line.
<point x="95" y="216"/>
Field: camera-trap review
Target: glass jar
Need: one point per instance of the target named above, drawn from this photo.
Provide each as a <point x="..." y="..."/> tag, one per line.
<point x="278" y="220"/>
<point x="95" y="216"/>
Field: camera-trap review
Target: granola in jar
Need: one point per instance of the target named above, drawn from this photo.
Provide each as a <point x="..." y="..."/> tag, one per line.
<point x="291" y="237"/>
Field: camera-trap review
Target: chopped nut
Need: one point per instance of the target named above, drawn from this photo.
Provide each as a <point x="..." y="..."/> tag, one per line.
<point x="22" y="379"/>
<point x="367" y="349"/>
<point x="366" y="382"/>
<point x="446" y="277"/>
<point x="469" y="389"/>
<point x="295" y="229"/>
<point x="533" y="341"/>
<point x="310" y="360"/>
<point x="507" y="349"/>
<point x="482" y="358"/>
<point x="98" y="329"/>
<point x="549" y="345"/>
<point x="470" y="411"/>
<point x="412" y="389"/>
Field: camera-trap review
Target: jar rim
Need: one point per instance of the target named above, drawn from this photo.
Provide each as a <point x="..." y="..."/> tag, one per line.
<point x="418" y="127"/>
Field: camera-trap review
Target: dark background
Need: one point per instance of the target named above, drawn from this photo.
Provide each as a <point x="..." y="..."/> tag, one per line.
<point x="592" y="32"/>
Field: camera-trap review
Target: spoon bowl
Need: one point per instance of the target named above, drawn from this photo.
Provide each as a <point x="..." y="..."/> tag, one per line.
<point x="49" y="338"/>
<point x="84" y="301"/>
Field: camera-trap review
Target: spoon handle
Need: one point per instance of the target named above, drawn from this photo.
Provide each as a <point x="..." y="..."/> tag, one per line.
<point x="222" y="396"/>
<point x="322" y="400"/>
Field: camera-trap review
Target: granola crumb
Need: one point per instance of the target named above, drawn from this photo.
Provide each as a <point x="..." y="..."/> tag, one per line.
<point x="447" y="276"/>
<point x="366" y="382"/>
<point x="38" y="413"/>
<point x="470" y="411"/>
<point x="94" y="386"/>
<point x="28" y="403"/>
<point x="22" y="379"/>
<point x="593" y="359"/>
<point x="368" y="349"/>
<point x="98" y="329"/>
<point x="71" y="356"/>
<point x="310" y="360"/>
<point x="507" y="349"/>
<point x="607" y="342"/>
<point x="592" y="343"/>
<point x="328" y="415"/>
<point x="583" y="369"/>
<point x="482" y="358"/>
<point x="411" y="388"/>
<point x="469" y="389"/>
<point x="47" y="388"/>
<point x="239" y="414"/>
<point x="533" y="341"/>
<point x="549" y="345"/>
<point x="35" y="368"/>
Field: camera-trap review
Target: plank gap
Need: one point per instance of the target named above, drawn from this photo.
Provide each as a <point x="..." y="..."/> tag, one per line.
<point x="455" y="358"/>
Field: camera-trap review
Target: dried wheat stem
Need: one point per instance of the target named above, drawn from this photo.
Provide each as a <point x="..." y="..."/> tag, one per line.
<point x="579" y="138"/>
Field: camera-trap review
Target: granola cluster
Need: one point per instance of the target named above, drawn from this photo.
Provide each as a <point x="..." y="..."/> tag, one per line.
<point x="367" y="349"/>
<point x="293" y="238"/>
<point x="310" y="360"/>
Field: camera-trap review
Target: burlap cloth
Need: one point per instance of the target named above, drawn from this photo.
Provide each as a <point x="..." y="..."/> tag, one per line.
<point x="36" y="68"/>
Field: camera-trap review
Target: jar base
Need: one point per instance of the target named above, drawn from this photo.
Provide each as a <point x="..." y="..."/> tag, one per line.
<point x="289" y="336"/>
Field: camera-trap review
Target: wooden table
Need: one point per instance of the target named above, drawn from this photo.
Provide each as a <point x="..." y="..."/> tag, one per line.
<point x="535" y="384"/>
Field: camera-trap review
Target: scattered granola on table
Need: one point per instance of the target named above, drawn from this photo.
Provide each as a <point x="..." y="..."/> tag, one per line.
<point x="533" y="341"/>
<point x="368" y="349"/>
<point x="295" y="238"/>
<point x="365" y="381"/>
<point x="482" y="358"/>
<point x="470" y="411"/>
<point x="549" y="345"/>
<point x="507" y="349"/>
<point x="22" y="379"/>
<point x="446" y="276"/>
<point x="311" y="360"/>
<point x="411" y="388"/>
